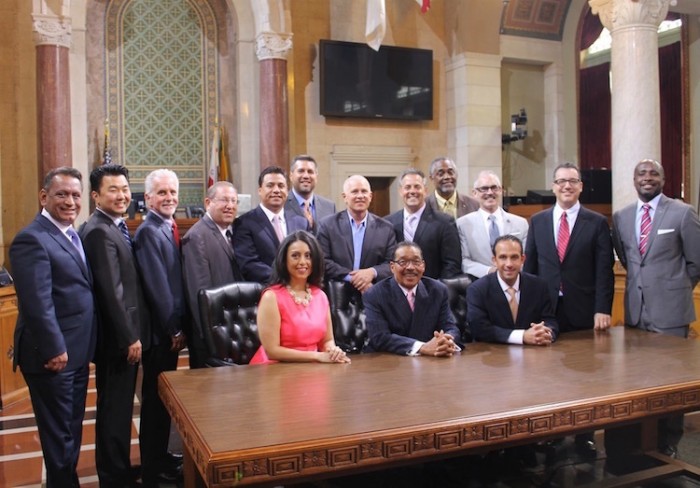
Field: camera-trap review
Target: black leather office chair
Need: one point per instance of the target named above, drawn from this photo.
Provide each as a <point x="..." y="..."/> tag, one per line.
<point x="348" y="316"/>
<point x="229" y="324"/>
<point x="457" y="293"/>
<point x="194" y="211"/>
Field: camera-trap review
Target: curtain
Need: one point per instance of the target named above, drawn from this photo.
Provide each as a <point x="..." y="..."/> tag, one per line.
<point x="594" y="117"/>
<point x="671" y="117"/>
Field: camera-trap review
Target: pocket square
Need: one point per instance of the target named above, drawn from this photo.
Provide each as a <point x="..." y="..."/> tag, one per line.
<point x="665" y="231"/>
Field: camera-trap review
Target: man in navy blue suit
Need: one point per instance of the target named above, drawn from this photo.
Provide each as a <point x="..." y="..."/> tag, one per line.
<point x="56" y="328"/>
<point x="258" y="233"/>
<point x="409" y="314"/>
<point x="509" y="306"/>
<point x="157" y="249"/>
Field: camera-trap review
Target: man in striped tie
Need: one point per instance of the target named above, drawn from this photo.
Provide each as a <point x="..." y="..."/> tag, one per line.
<point x="657" y="240"/>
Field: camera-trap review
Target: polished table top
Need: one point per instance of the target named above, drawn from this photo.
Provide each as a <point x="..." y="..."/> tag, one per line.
<point x="293" y="420"/>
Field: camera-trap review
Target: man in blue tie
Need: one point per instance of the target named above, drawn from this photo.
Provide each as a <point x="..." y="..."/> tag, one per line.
<point x="56" y="328"/>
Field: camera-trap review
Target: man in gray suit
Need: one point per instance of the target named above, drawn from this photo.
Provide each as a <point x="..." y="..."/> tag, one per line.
<point x="657" y="240"/>
<point x="443" y="174"/>
<point x="478" y="230"/>
<point x="302" y="200"/>
<point x="357" y="244"/>
<point x="208" y="260"/>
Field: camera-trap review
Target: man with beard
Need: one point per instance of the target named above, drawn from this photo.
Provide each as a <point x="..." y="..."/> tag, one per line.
<point x="658" y="242"/>
<point x="408" y="313"/>
<point x="443" y="174"/>
<point x="302" y="200"/>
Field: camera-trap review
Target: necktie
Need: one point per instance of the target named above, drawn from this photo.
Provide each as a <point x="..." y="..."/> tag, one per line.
<point x="307" y="213"/>
<point x="75" y="240"/>
<point x="512" y="303"/>
<point x="176" y="235"/>
<point x="277" y="225"/>
<point x="411" y="297"/>
<point x="493" y="230"/>
<point x="644" y="229"/>
<point x="229" y="237"/>
<point x="409" y="228"/>
<point x="125" y="232"/>
<point x="563" y="236"/>
<point x="449" y="209"/>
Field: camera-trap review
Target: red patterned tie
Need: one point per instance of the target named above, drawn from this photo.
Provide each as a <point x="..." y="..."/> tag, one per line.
<point x="644" y="229"/>
<point x="176" y="235"/>
<point x="563" y="236"/>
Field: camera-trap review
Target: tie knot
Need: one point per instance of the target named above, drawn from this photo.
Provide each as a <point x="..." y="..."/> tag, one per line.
<point x="511" y="292"/>
<point x="492" y="217"/>
<point x="646" y="207"/>
<point x="563" y="216"/>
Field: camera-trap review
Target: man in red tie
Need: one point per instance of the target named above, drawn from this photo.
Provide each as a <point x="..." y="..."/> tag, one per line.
<point x="570" y="247"/>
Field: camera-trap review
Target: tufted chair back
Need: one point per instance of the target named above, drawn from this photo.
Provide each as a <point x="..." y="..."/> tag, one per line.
<point x="229" y="322"/>
<point x="457" y="293"/>
<point x="348" y="316"/>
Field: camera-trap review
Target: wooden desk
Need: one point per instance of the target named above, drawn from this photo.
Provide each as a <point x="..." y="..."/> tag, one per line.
<point x="284" y="422"/>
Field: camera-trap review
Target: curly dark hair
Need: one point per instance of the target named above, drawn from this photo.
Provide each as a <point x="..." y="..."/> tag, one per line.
<point x="280" y="273"/>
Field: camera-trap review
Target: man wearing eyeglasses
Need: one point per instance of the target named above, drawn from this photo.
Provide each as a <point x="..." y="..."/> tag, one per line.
<point x="479" y="230"/>
<point x="570" y="247"/>
<point x="408" y="313"/>
<point x="208" y="260"/>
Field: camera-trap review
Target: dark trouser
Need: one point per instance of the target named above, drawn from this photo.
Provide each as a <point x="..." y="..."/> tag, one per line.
<point x="58" y="400"/>
<point x="197" y="351"/>
<point x="155" y="421"/>
<point x="116" y="383"/>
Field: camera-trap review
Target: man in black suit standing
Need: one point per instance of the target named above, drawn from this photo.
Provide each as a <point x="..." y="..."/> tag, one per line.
<point x="443" y="174"/>
<point x="56" y="328"/>
<point x="357" y="244"/>
<point x="302" y="200"/>
<point x="435" y="232"/>
<point x="124" y="329"/>
<point x="410" y="314"/>
<point x="258" y="233"/>
<point x="509" y="306"/>
<point x="157" y="248"/>
<point x="207" y="258"/>
<point x="571" y="248"/>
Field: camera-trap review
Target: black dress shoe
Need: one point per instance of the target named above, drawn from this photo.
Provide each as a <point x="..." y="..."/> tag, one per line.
<point x="670" y="451"/>
<point x="586" y="449"/>
<point x="171" y="475"/>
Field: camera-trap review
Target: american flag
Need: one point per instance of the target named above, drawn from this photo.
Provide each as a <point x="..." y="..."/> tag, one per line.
<point x="107" y="152"/>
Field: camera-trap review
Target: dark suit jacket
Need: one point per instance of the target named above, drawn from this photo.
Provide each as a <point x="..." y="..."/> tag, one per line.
<point x="335" y="238"/>
<point x="465" y="204"/>
<point x="121" y="307"/>
<point x="586" y="274"/>
<point x="158" y="259"/>
<point x="323" y="207"/>
<point x="394" y="327"/>
<point x="255" y="242"/>
<point x="661" y="281"/>
<point x="207" y="262"/>
<point x="437" y="236"/>
<point x="55" y="300"/>
<point x="489" y="315"/>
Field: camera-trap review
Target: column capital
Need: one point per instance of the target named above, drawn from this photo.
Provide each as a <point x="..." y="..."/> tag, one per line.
<point x="273" y="45"/>
<point x="51" y="30"/>
<point x="620" y="13"/>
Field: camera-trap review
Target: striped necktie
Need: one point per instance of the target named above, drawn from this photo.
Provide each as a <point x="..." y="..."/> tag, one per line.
<point x="644" y="229"/>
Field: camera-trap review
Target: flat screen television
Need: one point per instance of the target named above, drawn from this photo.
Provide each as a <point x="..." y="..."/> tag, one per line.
<point x="393" y="83"/>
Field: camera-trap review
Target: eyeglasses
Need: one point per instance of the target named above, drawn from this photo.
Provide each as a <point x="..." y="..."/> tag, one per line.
<point x="484" y="189"/>
<point x="564" y="181"/>
<point x="405" y="263"/>
<point x="226" y="201"/>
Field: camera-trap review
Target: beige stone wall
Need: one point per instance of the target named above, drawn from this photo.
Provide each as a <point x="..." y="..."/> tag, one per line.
<point x="18" y="141"/>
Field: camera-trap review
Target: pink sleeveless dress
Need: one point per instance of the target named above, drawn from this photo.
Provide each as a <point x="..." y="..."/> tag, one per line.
<point x="301" y="327"/>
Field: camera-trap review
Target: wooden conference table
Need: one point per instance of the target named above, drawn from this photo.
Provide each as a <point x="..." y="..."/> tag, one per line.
<point x="286" y="422"/>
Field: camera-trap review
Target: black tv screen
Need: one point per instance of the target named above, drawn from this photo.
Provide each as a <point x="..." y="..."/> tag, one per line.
<point x="394" y="83"/>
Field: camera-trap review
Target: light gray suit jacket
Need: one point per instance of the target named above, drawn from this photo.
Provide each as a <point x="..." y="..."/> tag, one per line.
<point x="476" y="250"/>
<point x="663" y="279"/>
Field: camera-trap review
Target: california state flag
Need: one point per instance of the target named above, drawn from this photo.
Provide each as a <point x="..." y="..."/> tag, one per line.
<point x="424" y="5"/>
<point x="375" y="27"/>
<point x="214" y="159"/>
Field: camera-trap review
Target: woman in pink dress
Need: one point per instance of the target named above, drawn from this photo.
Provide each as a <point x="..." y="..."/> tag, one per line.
<point x="294" y="318"/>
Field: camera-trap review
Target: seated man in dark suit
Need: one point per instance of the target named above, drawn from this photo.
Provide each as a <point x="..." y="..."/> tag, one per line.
<point x="258" y="233"/>
<point x="510" y="306"/>
<point x="407" y="313"/>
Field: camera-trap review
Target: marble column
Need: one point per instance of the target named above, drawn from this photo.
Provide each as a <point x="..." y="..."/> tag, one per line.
<point x="636" y="119"/>
<point x="52" y="35"/>
<point x="272" y="49"/>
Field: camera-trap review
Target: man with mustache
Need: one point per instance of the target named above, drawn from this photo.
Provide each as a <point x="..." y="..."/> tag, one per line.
<point x="443" y="174"/>
<point x="303" y="200"/>
<point x="408" y="313"/>
<point x="478" y="230"/>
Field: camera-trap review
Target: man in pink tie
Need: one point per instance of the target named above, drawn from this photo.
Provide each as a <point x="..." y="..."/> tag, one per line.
<point x="570" y="247"/>
<point x="658" y="242"/>
<point x="408" y="313"/>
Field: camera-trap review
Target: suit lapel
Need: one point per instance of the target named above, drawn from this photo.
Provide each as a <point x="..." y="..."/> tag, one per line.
<point x="579" y="228"/>
<point x="66" y="244"/>
<point x="549" y="242"/>
<point x="501" y="302"/>
<point x="366" y="244"/>
<point x="220" y="239"/>
<point x="344" y="229"/>
<point x="659" y="214"/>
<point x="403" y="309"/>
<point x="117" y="235"/>
<point x="421" y="305"/>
